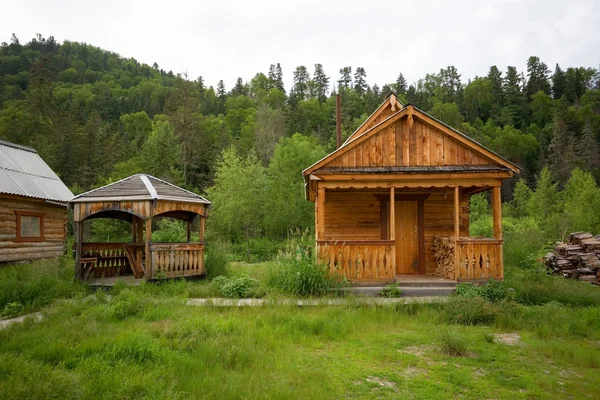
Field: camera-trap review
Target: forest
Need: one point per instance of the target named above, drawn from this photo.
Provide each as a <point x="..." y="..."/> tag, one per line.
<point x="97" y="117"/>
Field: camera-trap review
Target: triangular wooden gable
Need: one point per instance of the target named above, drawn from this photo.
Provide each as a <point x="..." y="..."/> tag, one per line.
<point x="410" y="137"/>
<point x="389" y="106"/>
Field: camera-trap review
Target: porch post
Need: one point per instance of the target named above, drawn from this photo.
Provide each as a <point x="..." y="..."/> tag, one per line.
<point x="139" y="237"/>
<point x="133" y="229"/>
<point x="456" y="231"/>
<point x="497" y="216"/>
<point x="201" y="233"/>
<point x="320" y="220"/>
<point x="78" y="246"/>
<point x="392" y="234"/>
<point x="149" y="267"/>
<point x="497" y="212"/>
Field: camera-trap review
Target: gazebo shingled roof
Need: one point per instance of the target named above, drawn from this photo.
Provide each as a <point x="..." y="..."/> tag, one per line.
<point x="139" y="187"/>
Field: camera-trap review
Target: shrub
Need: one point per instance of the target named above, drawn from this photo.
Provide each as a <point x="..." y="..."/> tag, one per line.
<point x="235" y="287"/>
<point x="25" y="288"/>
<point x="391" y="291"/>
<point x="469" y="311"/>
<point x="216" y="261"/>
<point x="302" y="277"/>
<point x="255" y="250"/>
<point x="493" y="291"/>
<point x="453" y="344"/>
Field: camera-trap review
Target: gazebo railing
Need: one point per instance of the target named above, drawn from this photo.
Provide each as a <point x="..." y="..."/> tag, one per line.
<point x="110" y="259"/>
<point x="172" y="260"/>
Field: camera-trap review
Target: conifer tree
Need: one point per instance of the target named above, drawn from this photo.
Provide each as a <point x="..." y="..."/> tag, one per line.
<point x="360" y="81"/>
<point x="559" y="82"/>
<point x="321" y="82"/>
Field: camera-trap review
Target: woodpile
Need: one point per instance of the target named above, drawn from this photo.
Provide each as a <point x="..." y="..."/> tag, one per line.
<point x="443" y="252"/>
<point x="579" y="258"/>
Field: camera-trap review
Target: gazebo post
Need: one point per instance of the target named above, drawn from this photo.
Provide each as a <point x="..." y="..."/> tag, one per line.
<point x="201" y="233"/>
<point x="149" y="267"/>
<point x="134" y="223"/>
<point x="78" y="246"/>
<point x="189" y="230"/>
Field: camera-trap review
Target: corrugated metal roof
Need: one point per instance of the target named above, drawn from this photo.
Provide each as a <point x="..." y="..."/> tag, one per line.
<point x="134" y="188"/>
<point x="413" y="169"/>
<point x="24" y="173"/>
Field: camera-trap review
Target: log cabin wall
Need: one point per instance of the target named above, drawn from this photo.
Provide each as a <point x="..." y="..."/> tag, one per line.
<point x="351" y="215"/>
<point x="55" y="229"/>
<point x="424" y="145"/>
<point x="439" y="221"/>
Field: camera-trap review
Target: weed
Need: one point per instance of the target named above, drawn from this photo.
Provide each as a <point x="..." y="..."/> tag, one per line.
<point x="488" y="337"/>
<point x="469" y="311"/>
<point x="453" y="344"/>
<point x="391" y="291"/>
<point x="302" y="277"/>
<point x="216" y="261"/>
<point x="234" y="287"/>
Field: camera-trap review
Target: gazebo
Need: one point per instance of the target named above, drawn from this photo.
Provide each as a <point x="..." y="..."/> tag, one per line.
<point x="139" y="199"/>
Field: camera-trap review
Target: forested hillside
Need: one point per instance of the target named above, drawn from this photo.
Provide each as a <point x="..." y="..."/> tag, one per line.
<point x="96" y="116"/>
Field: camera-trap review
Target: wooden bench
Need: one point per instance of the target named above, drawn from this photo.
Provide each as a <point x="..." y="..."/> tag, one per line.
<point x="88" y="264"/>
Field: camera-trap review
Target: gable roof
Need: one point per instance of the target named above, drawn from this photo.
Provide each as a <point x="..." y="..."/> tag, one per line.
<point x="390" y="105"/>
<point x="24" y="173"/>
<point x="140" y="187"/>
<point x="411" y="111"/>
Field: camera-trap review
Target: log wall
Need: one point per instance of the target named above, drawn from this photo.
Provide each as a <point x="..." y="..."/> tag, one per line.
<point x="351" y="215"/>
<point x="55" y="229"/>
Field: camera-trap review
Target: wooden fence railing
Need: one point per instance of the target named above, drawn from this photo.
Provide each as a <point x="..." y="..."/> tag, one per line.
<point x="479" y="259"/>
<point x="176" y="259"/>
<point x="110" y="259"/>
<point x="359" y="260"/>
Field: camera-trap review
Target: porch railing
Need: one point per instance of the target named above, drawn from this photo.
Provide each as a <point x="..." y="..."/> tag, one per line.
<point x="110" y="259"/>
<point x="359" y="260"/>
<point x="176" y="259"/>
<point x="479" y="258"/>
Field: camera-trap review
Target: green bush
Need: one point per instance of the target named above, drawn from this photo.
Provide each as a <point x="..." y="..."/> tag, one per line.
<point x="469" y="311"/>
<point x="391" y="291"/>
<point x="216" y="261"/>
<point x="25" y="288"/>
<point x="255" y="250"/>
<point x="302" y="277"/>
<point x="235" y="287"/>
<point x="493" y="291"/>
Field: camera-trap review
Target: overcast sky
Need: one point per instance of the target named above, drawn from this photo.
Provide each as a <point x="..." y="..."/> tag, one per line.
<point x="225" y="39"/>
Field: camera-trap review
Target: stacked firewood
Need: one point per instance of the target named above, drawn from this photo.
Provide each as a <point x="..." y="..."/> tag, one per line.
<point x="579" y="258"/>
<point x="443" y="252"/>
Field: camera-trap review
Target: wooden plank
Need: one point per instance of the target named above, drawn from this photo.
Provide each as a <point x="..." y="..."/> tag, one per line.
<point x="405" y="144"/>
<point x="391" y="149"/>
<point x="456" y="224"/>
<point x="497" y="212"/>
<point x="320" y="212"/>
<point x="426" y="147"/>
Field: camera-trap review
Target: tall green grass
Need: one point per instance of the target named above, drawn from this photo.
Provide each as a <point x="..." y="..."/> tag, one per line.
<point x="28" y="287"/>
<point x="300" y="276"/>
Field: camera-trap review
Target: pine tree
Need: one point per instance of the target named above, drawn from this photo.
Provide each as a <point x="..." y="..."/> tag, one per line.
<point x="360" y="81"/>
<point x="345" y="80"/>
<point x="537" y="77"/>
<point x="221" y="89"/>
<point x="559" y="82"/>
<point x="300" y="90"/>
<point x="240" y="88"/>
<point x="279" y="78"/>
<point x="321" y="82"/>
<point x="588" y="150"/>
<point x="495" y="77"/>
<point x="514" y="98"/>
<point x="400" y="85"/>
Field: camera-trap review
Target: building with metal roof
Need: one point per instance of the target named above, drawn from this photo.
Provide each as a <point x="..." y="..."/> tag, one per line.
<point x="33" y="200"/>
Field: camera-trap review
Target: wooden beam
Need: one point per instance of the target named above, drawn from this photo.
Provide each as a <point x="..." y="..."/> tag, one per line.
<point x="326" y="176"/>
<point x="456" y="228"/>
<point x="189" y="230"/>
<point x="133" y="229"/>
<point x="149" y="273"/>
<point x="497" y="212"/>
<point x="201" y="233"/>
<point x="407" y="184"/>
<point x="421" y="233"/>
<point x="78" y="246"/>
<point x="392" y="234"/>
<point x="320" y="233"/>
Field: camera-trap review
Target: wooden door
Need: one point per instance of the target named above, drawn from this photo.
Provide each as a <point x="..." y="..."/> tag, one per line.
<point x="407" y="237"/>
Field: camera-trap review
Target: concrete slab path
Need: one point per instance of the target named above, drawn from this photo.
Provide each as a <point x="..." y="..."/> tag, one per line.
<point x="220" y="302"/>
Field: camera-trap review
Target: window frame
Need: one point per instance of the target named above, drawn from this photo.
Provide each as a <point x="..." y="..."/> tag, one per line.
<point x="22" y="213"/>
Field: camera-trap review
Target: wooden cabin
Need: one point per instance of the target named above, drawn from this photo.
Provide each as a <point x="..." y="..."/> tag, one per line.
<point x="139" y="199"/>
<point x="402" y="180"/>
<point x="33" y="206"/>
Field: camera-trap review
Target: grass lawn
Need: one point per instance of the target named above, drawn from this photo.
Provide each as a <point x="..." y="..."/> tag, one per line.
<point x="144" y="342"/>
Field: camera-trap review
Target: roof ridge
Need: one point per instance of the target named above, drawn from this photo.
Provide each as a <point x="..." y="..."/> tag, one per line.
<point x="177" y="187"/>
<point x="18" y="146"/>
<point x="27" y="173"/>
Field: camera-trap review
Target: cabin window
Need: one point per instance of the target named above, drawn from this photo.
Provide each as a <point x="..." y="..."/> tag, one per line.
<point x="30" y="226"/>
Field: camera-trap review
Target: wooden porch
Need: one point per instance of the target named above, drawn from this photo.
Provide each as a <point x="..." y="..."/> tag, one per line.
<point x="396" y="255"/>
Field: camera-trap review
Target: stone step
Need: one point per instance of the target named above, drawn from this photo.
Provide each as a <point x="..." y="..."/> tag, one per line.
<point x="407" y="291"/>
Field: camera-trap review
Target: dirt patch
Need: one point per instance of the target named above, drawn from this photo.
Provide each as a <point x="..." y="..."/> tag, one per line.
<point x="413" y="371"/>
<point x="418" y="351"/>
<point x="509" y="339"/>
<point x="382" y="382"/>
